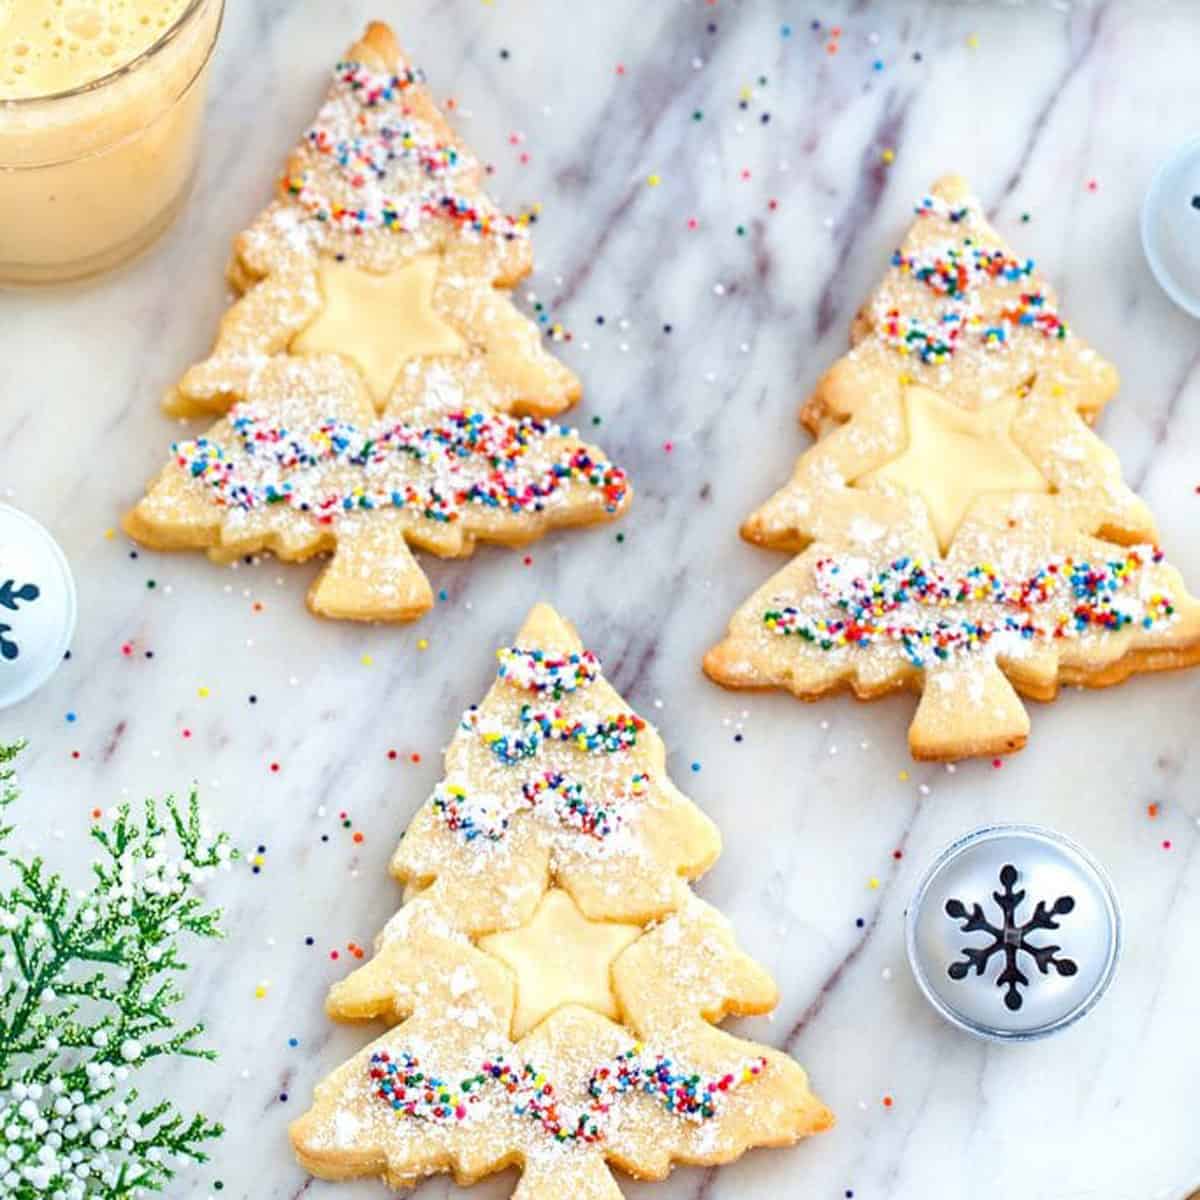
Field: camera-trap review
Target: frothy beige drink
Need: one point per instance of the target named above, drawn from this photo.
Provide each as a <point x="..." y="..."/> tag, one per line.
<point x="100" y="108"/>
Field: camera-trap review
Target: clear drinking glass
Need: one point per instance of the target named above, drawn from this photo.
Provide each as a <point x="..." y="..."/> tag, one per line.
<point x="90" y="176"/>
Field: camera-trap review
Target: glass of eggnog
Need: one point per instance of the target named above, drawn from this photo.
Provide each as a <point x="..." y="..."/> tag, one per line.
<point x="101" y="105"/>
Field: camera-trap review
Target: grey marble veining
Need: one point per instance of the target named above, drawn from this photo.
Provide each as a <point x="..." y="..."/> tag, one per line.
<point x="815" y="799"/>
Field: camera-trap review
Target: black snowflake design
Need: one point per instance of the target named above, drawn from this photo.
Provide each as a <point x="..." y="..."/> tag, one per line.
<point x="1011" y="937"/>
<point x="11" y="597"/>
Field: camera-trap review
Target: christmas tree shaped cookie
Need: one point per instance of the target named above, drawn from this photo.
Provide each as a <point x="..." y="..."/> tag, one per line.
<point x="305" y="466"/>
<point x="377" y="385"/>
<point x="552" y="983"/>
<point x="382" y="247"/>
<point x="962" y="531"/>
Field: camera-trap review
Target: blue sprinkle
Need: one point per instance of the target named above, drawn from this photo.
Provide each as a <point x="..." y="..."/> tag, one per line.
<point x="293" y="1042"/>
<point x="71" y="718"/>
<point x="785" y="31"/>
<point x="695" y="766"/>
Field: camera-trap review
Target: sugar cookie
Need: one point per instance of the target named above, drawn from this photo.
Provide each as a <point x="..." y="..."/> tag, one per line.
<point x="964" y="533"/>
<point x="553" y="983"/>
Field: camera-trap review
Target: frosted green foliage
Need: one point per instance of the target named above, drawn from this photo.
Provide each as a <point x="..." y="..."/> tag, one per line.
<point x="88" y="984"/>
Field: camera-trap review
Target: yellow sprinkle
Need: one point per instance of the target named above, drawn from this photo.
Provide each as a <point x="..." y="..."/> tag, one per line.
<point x="366" y="660"/>
<point x="260" y="992"/>
<point x="889" y="155"/>
<point x="873" y="883"/>
<point x="746" y="93"/>
<point x="202" y="692"/>
<point x="973" y="41"/>
<point x="653" y="180"/>
<point x="903" y="776"/>
<point x="1057" y="390"/>
<point x="110" y="533"/>
<point x="905" y="379"/>
<point x="423" y="644"/>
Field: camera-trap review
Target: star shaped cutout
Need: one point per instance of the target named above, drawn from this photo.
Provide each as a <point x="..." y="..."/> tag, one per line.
<point x="560" y="957"/>
<point x="954" y="456"/>
<point x="379" y="322"/>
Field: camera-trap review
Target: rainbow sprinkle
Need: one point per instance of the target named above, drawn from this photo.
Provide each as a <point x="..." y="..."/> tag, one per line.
<point x="398" y="171"/>
<point x="911" y="603"/>
<point x="551" y="796"/>
<point x="467" y="458"/>
<point x="544" y="674"/>
<point x="956" y="271"/>
<point x="471" y="817"/>
<point x="409" y="1091"/>
<point x="911" y="335"/>
<point x="372" y="88"/>
<point x="935" y="206"/>
<point x="609" y="736"/>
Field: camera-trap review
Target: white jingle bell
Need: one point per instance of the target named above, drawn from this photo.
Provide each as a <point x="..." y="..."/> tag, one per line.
<point x="1014" y="932"/>
<point x="37" y="606"/>
<point x="1171" y="226"/>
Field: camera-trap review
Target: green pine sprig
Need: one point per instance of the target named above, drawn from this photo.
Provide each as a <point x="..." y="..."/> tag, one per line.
<point x="88" y="985"/>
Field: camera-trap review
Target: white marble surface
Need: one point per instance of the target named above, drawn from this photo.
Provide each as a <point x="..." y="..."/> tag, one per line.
<point x="815" y="799"/>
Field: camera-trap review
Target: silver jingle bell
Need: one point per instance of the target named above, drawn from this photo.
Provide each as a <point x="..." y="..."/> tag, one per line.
<point x="1014" y="932"/>
<point x="1171" y="226"/>
<point x="37" y="606"/>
